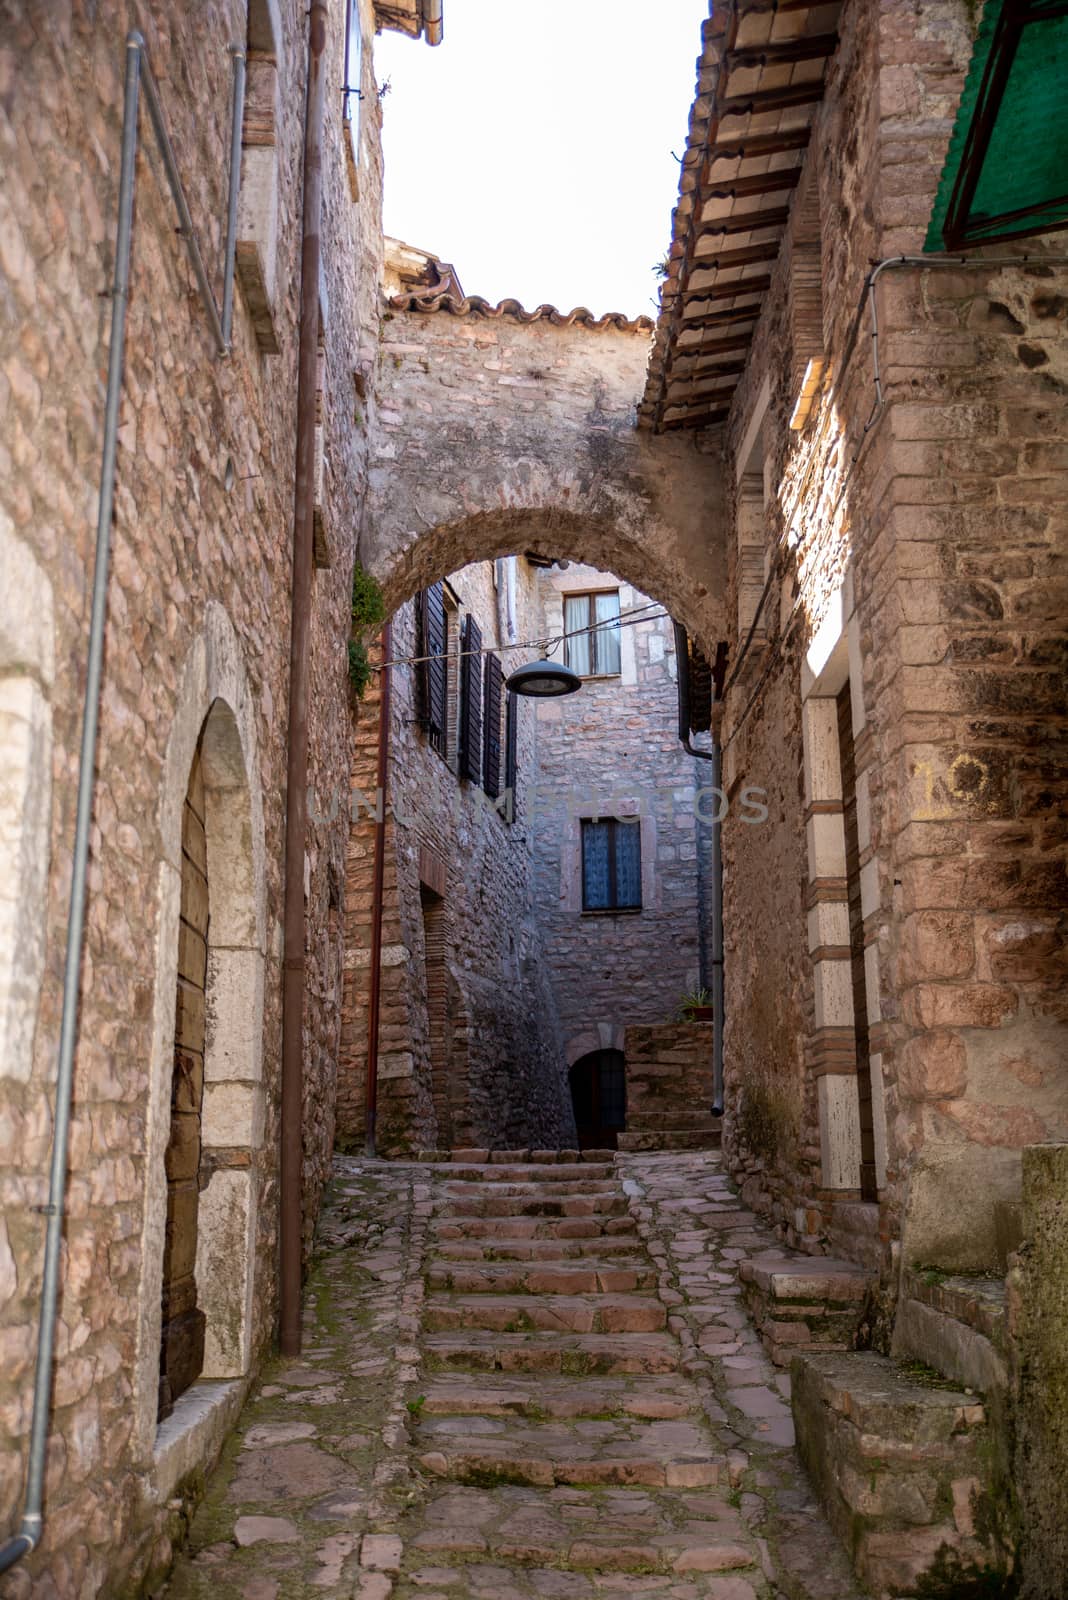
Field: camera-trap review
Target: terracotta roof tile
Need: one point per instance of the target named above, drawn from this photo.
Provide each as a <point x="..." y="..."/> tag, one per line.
<point x="475" y="306"/>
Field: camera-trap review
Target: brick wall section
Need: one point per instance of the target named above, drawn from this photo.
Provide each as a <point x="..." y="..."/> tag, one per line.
<point x="613" y="749"/>
<point x="180" y="542"/>
<point x="939" y="514"/>
<point x="669" y="1075"/>
<point x="506" y="1084"/>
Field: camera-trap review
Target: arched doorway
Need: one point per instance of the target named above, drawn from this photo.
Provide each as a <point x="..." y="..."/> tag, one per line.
<point x="599" y="1096"/>
<point x="181" y="1359"/>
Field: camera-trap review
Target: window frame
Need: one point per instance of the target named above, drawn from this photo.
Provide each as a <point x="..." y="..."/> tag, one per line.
<point x="352" y="122"/>
<point x="613" y="824"/>
<point x="593" y="631"/>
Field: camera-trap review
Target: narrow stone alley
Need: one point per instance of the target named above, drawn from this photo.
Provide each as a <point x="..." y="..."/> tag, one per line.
<point x="529" y="1375"/>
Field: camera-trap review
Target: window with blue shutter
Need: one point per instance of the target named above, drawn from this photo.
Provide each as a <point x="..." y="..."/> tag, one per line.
<point x="611" y="864"/>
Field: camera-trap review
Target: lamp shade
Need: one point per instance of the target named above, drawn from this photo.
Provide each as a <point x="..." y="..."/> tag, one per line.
<point x="544" y="679"/>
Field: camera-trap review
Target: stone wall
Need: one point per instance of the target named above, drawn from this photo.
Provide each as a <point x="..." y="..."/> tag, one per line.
<point x="916" y="548"/>
<point x="1037" y="1313"/>
<point x="198" y="620"/>
<point x="497" y="433"/>
<point x="669" y="1076"/>
<point x="613" y="750"/>
<point x="470" y="1053"/>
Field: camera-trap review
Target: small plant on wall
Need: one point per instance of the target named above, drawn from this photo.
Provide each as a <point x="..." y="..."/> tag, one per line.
<point x="694" y="1007"/>
<point x="368" y="615"/>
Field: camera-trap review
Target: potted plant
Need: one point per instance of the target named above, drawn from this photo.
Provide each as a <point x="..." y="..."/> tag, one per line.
<point x="696" y="1006"/>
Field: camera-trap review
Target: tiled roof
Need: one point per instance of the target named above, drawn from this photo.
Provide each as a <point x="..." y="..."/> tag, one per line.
<point x="475" y="306"/>
<point x="760" y="77"/>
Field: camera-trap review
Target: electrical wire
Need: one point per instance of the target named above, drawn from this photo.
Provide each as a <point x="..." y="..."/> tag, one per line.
<point x="626" y="619"/>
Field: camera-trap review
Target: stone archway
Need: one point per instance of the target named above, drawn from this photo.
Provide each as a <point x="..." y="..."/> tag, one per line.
<point x="213" y="728"/>
<point x="690" y="585"/>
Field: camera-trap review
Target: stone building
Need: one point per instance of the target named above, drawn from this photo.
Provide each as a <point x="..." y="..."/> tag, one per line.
<point x="844" y="462"/>
<point x="544" y="875"/>
<point x="468" y="1050"/>
<point x="170" y="1246"/>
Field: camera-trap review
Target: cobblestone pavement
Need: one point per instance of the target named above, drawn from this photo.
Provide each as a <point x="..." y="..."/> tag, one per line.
<point x="525" y="1380"/>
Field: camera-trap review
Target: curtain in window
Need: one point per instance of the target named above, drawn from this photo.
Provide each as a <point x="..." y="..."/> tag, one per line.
<point x="596" y="879"/>
<point x="606" y="607"/>
<point x="577" y="649"/>
<point x="628" y="864"/>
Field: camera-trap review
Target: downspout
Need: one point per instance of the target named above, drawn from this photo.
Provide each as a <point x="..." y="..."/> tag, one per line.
<point x="137" y="73"/>
<point x="292" y="1110"/>
<point x="374" y="1001"/>
<point x="433" y="21"/>
<point x="717" y="920"/>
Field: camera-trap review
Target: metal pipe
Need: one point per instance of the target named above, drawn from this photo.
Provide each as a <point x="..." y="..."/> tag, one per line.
<point x="292" y="1111"/>
<point x="29" y="1535"/>
<point x="236" y="127"/>
<point x="185" y="230"/>
<point x="433" y="21"/>
<point x="374" y="1001"/>
<point x="717" y="925"/>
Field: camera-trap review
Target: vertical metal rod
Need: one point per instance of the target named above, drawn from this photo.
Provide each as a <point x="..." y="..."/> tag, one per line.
<point x="717" y="927"/>
<point x="236" y="128"/>
<point x="170" y="166"/>
<point x="292" y="1110"/>
<point x="32" y="1521"/>
<point x="374" y="1004"/>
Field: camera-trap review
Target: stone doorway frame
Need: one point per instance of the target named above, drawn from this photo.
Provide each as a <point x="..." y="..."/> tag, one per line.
<point x="833" y="660"/>
<point x="214" y="707"/>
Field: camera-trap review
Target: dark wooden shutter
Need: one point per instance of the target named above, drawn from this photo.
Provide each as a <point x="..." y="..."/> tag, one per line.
<point x="491" y="742"/>
<point x="471" y="701"/>
<point x="436" y="681"/>
<point x="511" y="755"/>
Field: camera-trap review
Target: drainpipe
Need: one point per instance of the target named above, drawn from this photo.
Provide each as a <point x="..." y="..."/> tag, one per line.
<point x="717" y="922"/>
<point x="138" y="74"/>
<point x="292" y="1142"/>
<point x="433" y="21"/>
<point x="374" y="1003"/>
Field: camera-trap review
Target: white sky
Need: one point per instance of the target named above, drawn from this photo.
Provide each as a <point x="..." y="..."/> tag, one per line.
<point x="533" y="147"/>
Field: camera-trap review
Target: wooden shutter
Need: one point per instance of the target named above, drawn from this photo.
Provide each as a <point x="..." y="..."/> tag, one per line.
<point x="471" y="701"/>
<point x="491" y="742"/>
<point x="436" y="680"/>
<point x="511" y="755"/>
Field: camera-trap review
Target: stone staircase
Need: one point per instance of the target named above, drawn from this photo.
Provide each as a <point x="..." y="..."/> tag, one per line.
<point x="565" y="1450"/>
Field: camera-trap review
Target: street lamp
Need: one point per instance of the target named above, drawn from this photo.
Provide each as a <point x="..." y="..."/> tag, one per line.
<point x="545" y="679"/>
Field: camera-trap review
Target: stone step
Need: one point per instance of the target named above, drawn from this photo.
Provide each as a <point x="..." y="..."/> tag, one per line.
<point x="471" y="1189"/>
<point x="557" y="1313"/>
<point x="487" y="1450"/>
<point x="488" y="1203"/>
<point x="554" y="1277"/>
<point x="803" y="1303"/>
<point x="577" y="1355"/>
<point x="550" y="1177"/>
<point x="954" y="1323"/>
<point x="483" y="1157"/>
<point x="651" y="1398"/>
<point x="636" y="1141"/>
<point x="555" y="1249"/>
<point x="904" y="1467"/>
<point x="511" y="1228"/>
<point x="584" y="1530"/>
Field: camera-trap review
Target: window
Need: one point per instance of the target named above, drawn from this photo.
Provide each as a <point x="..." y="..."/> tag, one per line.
<point x="492" y="701"/>
<point x="511" y="755"/>
<point x="469" y="763"/>
<point x="352" y="94"/>
<point x="612" y="865"/>
<point x="433" y="645"/>
<point x="591" y="626"/>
